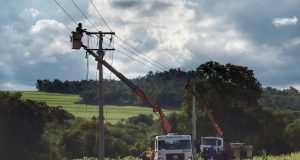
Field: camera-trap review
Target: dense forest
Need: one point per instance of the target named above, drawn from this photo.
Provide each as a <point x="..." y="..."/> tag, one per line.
<point x="166" y="88"/>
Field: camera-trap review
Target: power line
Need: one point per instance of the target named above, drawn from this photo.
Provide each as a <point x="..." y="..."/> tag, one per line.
<point x="66" y="12"/>
<point x="100" y="15"/>
<point x="118" y="38"/>
<point x="84" y="15"/>
<point x="139" y="56"/>
<point x="166" y="68"/>
<point x="131" y="57"/>
<point x="134" y="59"/>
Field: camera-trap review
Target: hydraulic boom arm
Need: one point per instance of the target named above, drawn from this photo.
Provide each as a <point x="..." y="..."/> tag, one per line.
<point x="165" y="124"/>
<point x="188" y="88"/>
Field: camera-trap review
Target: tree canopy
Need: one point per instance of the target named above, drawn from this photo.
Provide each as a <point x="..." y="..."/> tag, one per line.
<point x="22" y="125"/>
<point x="232" y="95"/>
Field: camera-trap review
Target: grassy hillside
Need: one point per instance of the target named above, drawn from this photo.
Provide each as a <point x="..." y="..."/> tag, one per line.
<point x="68" y="102"/>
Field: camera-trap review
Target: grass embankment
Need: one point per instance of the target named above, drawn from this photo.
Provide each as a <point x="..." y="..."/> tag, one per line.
<point x="68" y="102"/>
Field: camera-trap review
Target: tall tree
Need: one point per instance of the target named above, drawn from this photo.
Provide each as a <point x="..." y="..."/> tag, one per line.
<point x="22" y="125"/>
<point x="230" y="92"/>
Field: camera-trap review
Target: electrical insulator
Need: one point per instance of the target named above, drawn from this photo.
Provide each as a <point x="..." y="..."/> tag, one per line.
<point x="76" y="40"/>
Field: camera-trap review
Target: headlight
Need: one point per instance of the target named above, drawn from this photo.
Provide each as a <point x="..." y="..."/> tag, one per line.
<point x="190" y="158"/>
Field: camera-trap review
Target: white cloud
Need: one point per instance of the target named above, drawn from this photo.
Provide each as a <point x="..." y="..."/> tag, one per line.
<point x="177" y="33"/>
<point x="208" y="23"/>
<point x="8" y="86"/>
<point x="30" y="12"/>
<point x="293" y="42"/>
<point x="26" y="54"/>
<point x="46" y="24"/>
<point x="49" y="39"/>
<point x="184" y="37"/>
<point x="285" y="21"/>
<point x="158" y="27"/>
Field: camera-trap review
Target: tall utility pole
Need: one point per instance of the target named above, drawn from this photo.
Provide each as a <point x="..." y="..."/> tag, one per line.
<point x="77" y="44"/>
<point x="194" y="125"/>
<point x="100" y="101"/>
<point x="100" y="93"/>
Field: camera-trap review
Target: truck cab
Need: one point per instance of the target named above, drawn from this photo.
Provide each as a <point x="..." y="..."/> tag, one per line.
<point x="211" y="147"/>
<point x="173" y="147"/>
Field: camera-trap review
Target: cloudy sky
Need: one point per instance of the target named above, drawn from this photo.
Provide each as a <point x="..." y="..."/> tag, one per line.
<point x="262" y="35"/>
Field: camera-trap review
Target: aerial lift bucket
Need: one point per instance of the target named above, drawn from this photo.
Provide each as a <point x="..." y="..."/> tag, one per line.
<point x="76" y="40"/>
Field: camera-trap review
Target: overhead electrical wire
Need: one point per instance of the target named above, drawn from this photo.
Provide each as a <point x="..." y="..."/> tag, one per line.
<point x="84" y="15"/>
<point x="166" y="68"/>
<point x="139" y="56"/>
<point x="115" y="36"/>
<point x="66" y="12"/>
<point x="131" y="57"/>
<point x="96" y="146"/>
<point x="100" y="15"/>
<point x="87" y="75"/>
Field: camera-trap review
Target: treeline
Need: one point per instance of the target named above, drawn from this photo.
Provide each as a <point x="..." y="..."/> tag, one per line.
<point x="281" y="99"/>
<point x="166" y="88"/>
<point x="57" y="86"/>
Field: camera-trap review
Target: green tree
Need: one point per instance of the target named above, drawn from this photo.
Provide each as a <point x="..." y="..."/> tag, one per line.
<point x="230" y="92"/>
<point x="22" y="125"/>
<point x="292" y="133"/>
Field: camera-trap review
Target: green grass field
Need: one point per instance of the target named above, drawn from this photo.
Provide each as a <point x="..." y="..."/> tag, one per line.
<point x="292" y="156"/>
<point x="68" y="102"/>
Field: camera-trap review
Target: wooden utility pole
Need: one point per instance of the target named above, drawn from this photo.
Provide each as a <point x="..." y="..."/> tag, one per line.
<point x="194" y="126"/>
<point x="77" y="44"/>
<point x="101" y="53"/>
<point x="100" y="101"/>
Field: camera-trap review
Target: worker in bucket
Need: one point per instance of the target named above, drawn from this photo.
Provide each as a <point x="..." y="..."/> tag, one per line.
<point x="77" y="36"/>
<point x="79" y="28"/>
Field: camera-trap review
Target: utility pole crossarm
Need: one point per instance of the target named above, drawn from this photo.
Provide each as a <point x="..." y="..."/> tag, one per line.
<point x="104" y="49"/>
<point x="113" y="33"/>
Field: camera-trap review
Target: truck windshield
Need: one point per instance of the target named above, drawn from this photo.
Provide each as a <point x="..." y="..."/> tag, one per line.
<point x="173" y="145"/>
<point x="209" y="141"/>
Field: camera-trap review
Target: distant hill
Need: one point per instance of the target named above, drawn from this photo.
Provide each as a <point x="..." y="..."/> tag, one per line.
<point x="166" y="88"/>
